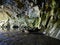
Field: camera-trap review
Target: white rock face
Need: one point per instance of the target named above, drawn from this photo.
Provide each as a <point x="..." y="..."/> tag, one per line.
<point x="34" y="12"/>
<point x="3" y="17"/>
<point x="10" y="12"/>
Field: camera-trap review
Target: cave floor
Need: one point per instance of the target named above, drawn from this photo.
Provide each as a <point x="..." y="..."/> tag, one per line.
<point x="19" y="38"/>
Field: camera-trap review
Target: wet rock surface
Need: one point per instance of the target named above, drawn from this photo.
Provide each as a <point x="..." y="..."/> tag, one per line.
<point x="19" y="38"/>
